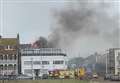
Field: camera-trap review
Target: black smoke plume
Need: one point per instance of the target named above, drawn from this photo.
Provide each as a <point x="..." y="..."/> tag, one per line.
<point x="85" y="18"/>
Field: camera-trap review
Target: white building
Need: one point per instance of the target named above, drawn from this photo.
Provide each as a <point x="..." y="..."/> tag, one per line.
<point x="113" y="61"/>
<point x="117" y="62"/>
<point x="35" y="62"/>
<point x="9" y="56"/>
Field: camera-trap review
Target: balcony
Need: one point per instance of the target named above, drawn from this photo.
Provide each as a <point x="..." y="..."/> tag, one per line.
<point x="8" y="61"/>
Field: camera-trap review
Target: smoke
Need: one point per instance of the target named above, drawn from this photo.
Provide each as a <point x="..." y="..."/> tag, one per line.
<point x="84" y="27"/>
<point x="85" y="19"/>
<point x="42" y="42"/>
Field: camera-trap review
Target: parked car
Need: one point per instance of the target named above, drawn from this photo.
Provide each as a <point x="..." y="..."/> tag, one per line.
<point x="95" y="75"/>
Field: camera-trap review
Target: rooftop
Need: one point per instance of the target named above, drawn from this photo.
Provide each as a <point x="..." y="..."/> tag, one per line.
<point x="43" y="52"/>
<point x="8" y="41"/>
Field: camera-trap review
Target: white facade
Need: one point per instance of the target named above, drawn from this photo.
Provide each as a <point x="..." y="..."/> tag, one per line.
<point x="117" y="62"/>
<point x="35" y="62"/>
<point x="113" y="61"/>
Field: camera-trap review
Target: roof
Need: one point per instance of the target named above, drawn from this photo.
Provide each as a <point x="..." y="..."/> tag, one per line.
<point x="42" y="52"/>
<point x="8" y="41"/>
<point x="24" y="46"/>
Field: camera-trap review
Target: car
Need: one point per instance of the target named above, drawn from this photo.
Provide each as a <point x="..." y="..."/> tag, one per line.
<point x="95" y="75"/>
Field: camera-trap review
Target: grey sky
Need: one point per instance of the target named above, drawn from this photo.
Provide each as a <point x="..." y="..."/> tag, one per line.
<point x="33" y="18"/>
<point x="29" y="18"/>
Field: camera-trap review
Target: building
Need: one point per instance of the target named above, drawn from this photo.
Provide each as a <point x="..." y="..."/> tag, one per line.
<point x="9" y="53"/>
<point x="23" y="46"/>
<point x="36" y="62"/>
<point x="117" y="61"/>
<point x="113" y="61"/>
<point x="101" y="58"/>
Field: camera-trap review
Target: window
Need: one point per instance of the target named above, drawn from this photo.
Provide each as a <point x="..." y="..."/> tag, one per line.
<point x="27" y="62"/>
<point x="58" y="62"/>
<point x="28" y="71"/>
<point x="10" y="67"/>
<point x="1" y="57"/>
<point x="5" y="67"/>
<point x="15" y="66"/>
<point x="5" y="57"/>
<point x="36" y="62"/>
<point x="15" y="57"/>
<point x="10" y="57"/>
<point x="45" y="62"/>
<point x="1" y="67"/>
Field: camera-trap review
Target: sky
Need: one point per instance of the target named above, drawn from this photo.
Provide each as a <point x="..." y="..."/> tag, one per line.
<point x="33" y="18"/>
<point x="29" y="18"/>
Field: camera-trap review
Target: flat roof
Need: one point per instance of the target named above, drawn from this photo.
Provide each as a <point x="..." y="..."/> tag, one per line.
<point x="8" y="41"/>
<point x="45" y="54"/>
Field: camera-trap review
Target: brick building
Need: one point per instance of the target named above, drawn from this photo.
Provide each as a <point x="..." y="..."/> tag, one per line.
<point x="9" y="53"/>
